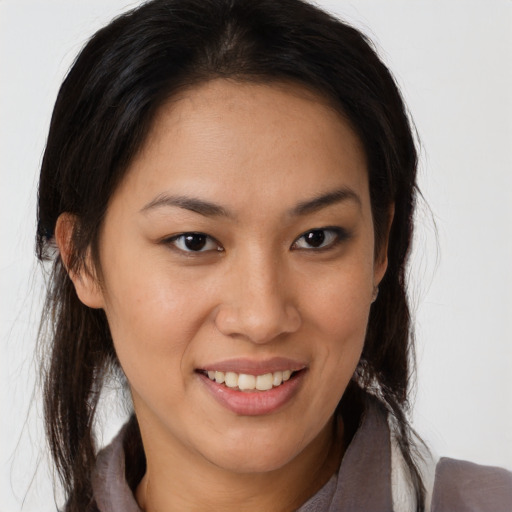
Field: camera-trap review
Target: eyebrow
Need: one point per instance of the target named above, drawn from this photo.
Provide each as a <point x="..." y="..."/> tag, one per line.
<point x="322" y="201"/>
<point x="206" y="208"/>
<point x="209" y="209"/>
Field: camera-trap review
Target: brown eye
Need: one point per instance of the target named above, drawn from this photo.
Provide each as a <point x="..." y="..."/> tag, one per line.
<point x="322" y="238"/>
<point x="315" y="238"/>
<point x="194" y="242"/>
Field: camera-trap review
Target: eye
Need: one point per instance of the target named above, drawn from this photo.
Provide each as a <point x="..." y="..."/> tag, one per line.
<point x="322" y="238"/>
<point x="194" y="242"/>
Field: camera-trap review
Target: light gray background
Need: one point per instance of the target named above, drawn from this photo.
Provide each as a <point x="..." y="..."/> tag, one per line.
<point x="452" y="60"/>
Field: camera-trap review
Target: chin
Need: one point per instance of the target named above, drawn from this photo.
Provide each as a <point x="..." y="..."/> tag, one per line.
<point x="246" y="464"/>
<point x="250" y="456"/>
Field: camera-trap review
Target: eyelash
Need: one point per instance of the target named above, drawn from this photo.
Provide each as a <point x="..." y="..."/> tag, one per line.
<point x="174" y="240"/>
<point x="335" y="235"/>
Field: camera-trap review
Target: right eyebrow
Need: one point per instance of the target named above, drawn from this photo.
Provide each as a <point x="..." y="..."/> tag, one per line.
<point x="206" y="208"/>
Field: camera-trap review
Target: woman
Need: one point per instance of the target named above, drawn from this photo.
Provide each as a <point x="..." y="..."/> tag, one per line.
<point x="230" y="186"/>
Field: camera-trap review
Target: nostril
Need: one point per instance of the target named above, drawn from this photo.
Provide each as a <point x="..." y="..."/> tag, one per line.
<point x="259" y="324"/>
<point x="255" y="301"/>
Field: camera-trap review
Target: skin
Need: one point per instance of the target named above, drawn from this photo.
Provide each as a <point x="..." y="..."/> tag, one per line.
<point x="257" y="291"/>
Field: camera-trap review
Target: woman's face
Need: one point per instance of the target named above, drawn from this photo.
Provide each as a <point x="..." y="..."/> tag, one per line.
<point x="238" y="249"/>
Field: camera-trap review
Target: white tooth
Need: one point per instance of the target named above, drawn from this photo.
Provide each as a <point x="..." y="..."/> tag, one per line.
<point x="287" y="374"/>
<point x="211" y="374"/>
<point x="231" y="379"/>
<point x="246" y="381"/>
<point x="264" y="382"/>
<point x="277" y="378"/>
<point x="219" y="377"/>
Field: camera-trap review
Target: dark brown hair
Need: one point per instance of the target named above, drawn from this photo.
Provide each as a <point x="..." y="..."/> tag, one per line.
<point x="103" y="112"/>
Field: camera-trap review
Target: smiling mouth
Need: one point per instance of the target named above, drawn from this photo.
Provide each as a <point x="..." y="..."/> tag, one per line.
<point x="247" y="382"/>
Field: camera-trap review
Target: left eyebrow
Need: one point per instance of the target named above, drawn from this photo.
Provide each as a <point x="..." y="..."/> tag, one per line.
<point x="340" y="195"/>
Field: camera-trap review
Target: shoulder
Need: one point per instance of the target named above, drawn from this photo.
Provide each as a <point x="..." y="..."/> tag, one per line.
<point x="468" y="487"/>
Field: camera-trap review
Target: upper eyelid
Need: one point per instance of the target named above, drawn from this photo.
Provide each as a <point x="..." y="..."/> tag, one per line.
<point x="340" y="234"/>
<point x="177" y="236"/>
<point x="170" y="238"/>
<point x="336" y="229"/>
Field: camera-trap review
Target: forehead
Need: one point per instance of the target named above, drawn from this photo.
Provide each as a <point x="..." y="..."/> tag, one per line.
<point x="274" y="142"/>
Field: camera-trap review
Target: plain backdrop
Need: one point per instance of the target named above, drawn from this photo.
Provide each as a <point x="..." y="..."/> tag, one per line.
<point x="453" y="62"/>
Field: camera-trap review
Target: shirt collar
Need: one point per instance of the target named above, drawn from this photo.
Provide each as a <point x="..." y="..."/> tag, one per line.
<point x="363" y="481"/>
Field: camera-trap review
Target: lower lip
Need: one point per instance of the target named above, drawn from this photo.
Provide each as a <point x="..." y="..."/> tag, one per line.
<point x="254" y="403"/>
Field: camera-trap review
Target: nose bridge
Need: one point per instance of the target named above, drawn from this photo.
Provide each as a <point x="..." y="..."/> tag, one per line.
<point x="263" y="285"/>
<point x="258" y="306"/>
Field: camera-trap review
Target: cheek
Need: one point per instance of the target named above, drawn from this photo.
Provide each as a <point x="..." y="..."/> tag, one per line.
<point x="338" y="313"/>
<point x="153" y="315"/>
<point x="343" y="324"/>
<point x="341" y="296"/>
<point x="336" y="328"/>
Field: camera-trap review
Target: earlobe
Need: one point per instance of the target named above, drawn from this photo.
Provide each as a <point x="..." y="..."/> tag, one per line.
<point x="83" y="277"/>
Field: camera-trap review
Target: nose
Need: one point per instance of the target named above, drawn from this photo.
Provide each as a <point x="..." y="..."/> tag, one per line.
<point x="257" y="303"/>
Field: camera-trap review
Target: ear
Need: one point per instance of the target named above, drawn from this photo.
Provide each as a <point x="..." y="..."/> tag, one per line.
<point x="381" y="258"/>
<point x="84" y="279"/>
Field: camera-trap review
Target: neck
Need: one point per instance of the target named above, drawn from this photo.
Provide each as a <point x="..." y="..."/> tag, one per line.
<point x="168" y="484"/>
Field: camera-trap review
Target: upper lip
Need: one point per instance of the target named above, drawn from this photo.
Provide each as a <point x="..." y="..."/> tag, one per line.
<point x="254" y="366"/>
